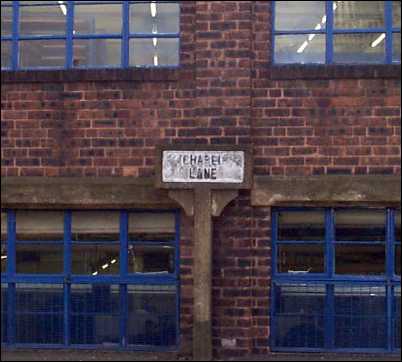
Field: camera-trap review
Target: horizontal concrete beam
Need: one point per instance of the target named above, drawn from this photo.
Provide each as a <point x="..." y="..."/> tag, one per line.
<point x="83" y="193"/>
<point x="327" y="190"/>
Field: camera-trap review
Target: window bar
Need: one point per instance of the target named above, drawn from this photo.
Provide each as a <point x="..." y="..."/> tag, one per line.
<point x="67" y="277"/>
<point x="329" y="51"/>
<point x="15" y="31"/>
<point x="11" y="268"/>
<point x="69" y="35"/>
<point x="388" y="29"/>
<point x="123" y="275"/>
<point x="125" y="44"/>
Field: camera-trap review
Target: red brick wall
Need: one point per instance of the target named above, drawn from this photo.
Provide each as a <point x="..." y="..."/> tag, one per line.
<point x="299" y="120"/>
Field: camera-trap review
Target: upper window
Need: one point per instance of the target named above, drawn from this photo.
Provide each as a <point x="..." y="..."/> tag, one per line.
<point x="337" y="32"/>
<point x="89" y="34"/>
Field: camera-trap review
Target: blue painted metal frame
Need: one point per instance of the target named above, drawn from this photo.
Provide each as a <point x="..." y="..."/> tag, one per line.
<point x="125" y="36"/>
<point x="330" y="279"/>
<point x="11" y="278"/>
<point x="330" y="31"/>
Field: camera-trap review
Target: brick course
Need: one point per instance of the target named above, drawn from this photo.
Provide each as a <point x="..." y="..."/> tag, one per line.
<point x="299" y="121"/>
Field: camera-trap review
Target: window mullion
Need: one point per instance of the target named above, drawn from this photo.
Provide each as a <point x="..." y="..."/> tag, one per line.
<point x="15" y="35"/>
<point x="329" y="32"/>
<point x="125" y="35"/>
<point x="69" y="35"/>
<point x="388" y="27"/>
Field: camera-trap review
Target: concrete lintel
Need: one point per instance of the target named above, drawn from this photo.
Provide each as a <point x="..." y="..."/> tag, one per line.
<point x="327" y="190"/>
<point x="82" y="192"/>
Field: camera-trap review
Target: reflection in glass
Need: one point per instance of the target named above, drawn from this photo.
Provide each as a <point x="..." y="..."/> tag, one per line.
<point x="306" y="225"/>
<point x="95" y="226"/>
<point x="359" y="14"/>
<point x="359" y="48"/>
<point x="95" y="259"/>
<point x="397" y="316"/>
<point x="151" y="259"/>
<point x="96" y="52"/>
<point x="300" y="259"/>
<point x="360" y="225"/>
<point x="6" y="21"/>
<point x="39" y="258"/>
<point x="153" y="17"/>
<point x="396" y="14"/>
<point x="98" y="19"/>
<point x="4" y="226"/>
<point x="4" y="313"/>
<point x="154" y="52"/>
<point x="398" y="226"/>
<point x="6" y="54"/>
<point x="152" y="226"/>
<point x="396" y="47"/>
<point x="39" y="313"/>
<point x="152" y="315"/>
<point x="42" y="53"/>
<point x="360" y="317"/>
<point x="398" y="260"/>
<point x="95" y="314"/>
<point x="299" y="15"/>
<point x="40" y="226"/>
<point x="4" y="257"/>
<point x="299" y="316"/>
<point x="360" y="259"/>
<point x="300" y="49"/>
<point x="42" y="20"/>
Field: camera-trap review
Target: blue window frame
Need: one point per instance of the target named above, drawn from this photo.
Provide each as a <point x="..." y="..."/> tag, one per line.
<point x="336" y="283"/>
<point x="84" y="295"/>
<point x="337" y="32"/>
<point x="89" y="34"/>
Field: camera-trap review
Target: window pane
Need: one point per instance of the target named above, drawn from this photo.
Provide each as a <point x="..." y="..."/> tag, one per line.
<point x="39" y="258"/>
<point x="359" y="14"/>
<point x="396" y="47"/>
<point x="95" y="315"/>
<point x="298" y="49"/>
<point x="360" y="259"/>
<point x="154" y="52"/>
<point x="299" y="316"/>
<point x="359" y="48"/>
<point x="98" y="19"/>
<point x="307" y="225"/>
<point x="151" y="259"/>
<point x="397" y="316"/>
<point x="6" y="54"/>
<point x="152" y="315"/>
<point x="42" y="20"/>
<point x="154" y="17"/>
<point x="39" y="313"/>
<point x="42" y="53"/>
<point x="398" y="226"/>
<point x="40" y="226"/>
<point x="360" y="225"/>
<point x="360" y="317"/>
<point x="299" y="15"/>
<point x="97" y="52"/>
<point x="152" y="226"/>
<point x="396" y="13"/>
<point x="4" y="313"/>
<point x="301" y="259"/>
<point x="4" y="227"/>
<point x="4" y="233"/>
<point x="95" y="226"/>
<point x="96" y="259"/>
<point x="398" y="260"/>
<point x="6" y="21"/>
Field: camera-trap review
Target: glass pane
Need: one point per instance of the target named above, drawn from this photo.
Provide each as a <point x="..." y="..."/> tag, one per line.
<point x="396" y="13"/>
<point x="396" y="47"/>
<point x="98" y="19"/>
<point x="42" y="53"/>
<point x="95" y="259"/>
<point x="151" y="259"/>
<point x="4" y="234"/>
<point x="300" y="15"/>
<point x="4" y="257"/>
<point x="299" y="316"/>
<point x="300" y="259"/>
<point x="154" y="17"/>
<point x="359" y="14"/>
<point x="397" y="316"/>
<point x="40" y="226"/>
<point x="6" y="54"/>
<point x="6" y="20"/>
<point x="4" y="313"/>
<point x="360" y="317"/>
<point x="306" y="225"/>
<point x="39" y="258"/>
<point x="360" y="225"/>
<point x="360" y="259"/>
<point x="95" y="314"/>
<point x="42" y="20"/>
<point x="359" y="48"/>
<point x="154" y="52"/>
<point x="95" y="226"/>
<point x="152" y="315"/>
<point x="398" y="260"/>
<point x="97" y="52"/>
<point x="152" y="226"/>
<point x="300" y="49"/>
<point x="398" y="226"/>
<point x="4" y="226"/>
<point x="39" y="313"/>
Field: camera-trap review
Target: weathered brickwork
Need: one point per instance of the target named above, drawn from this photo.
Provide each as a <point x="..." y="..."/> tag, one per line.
<point x="331" y="120"/>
